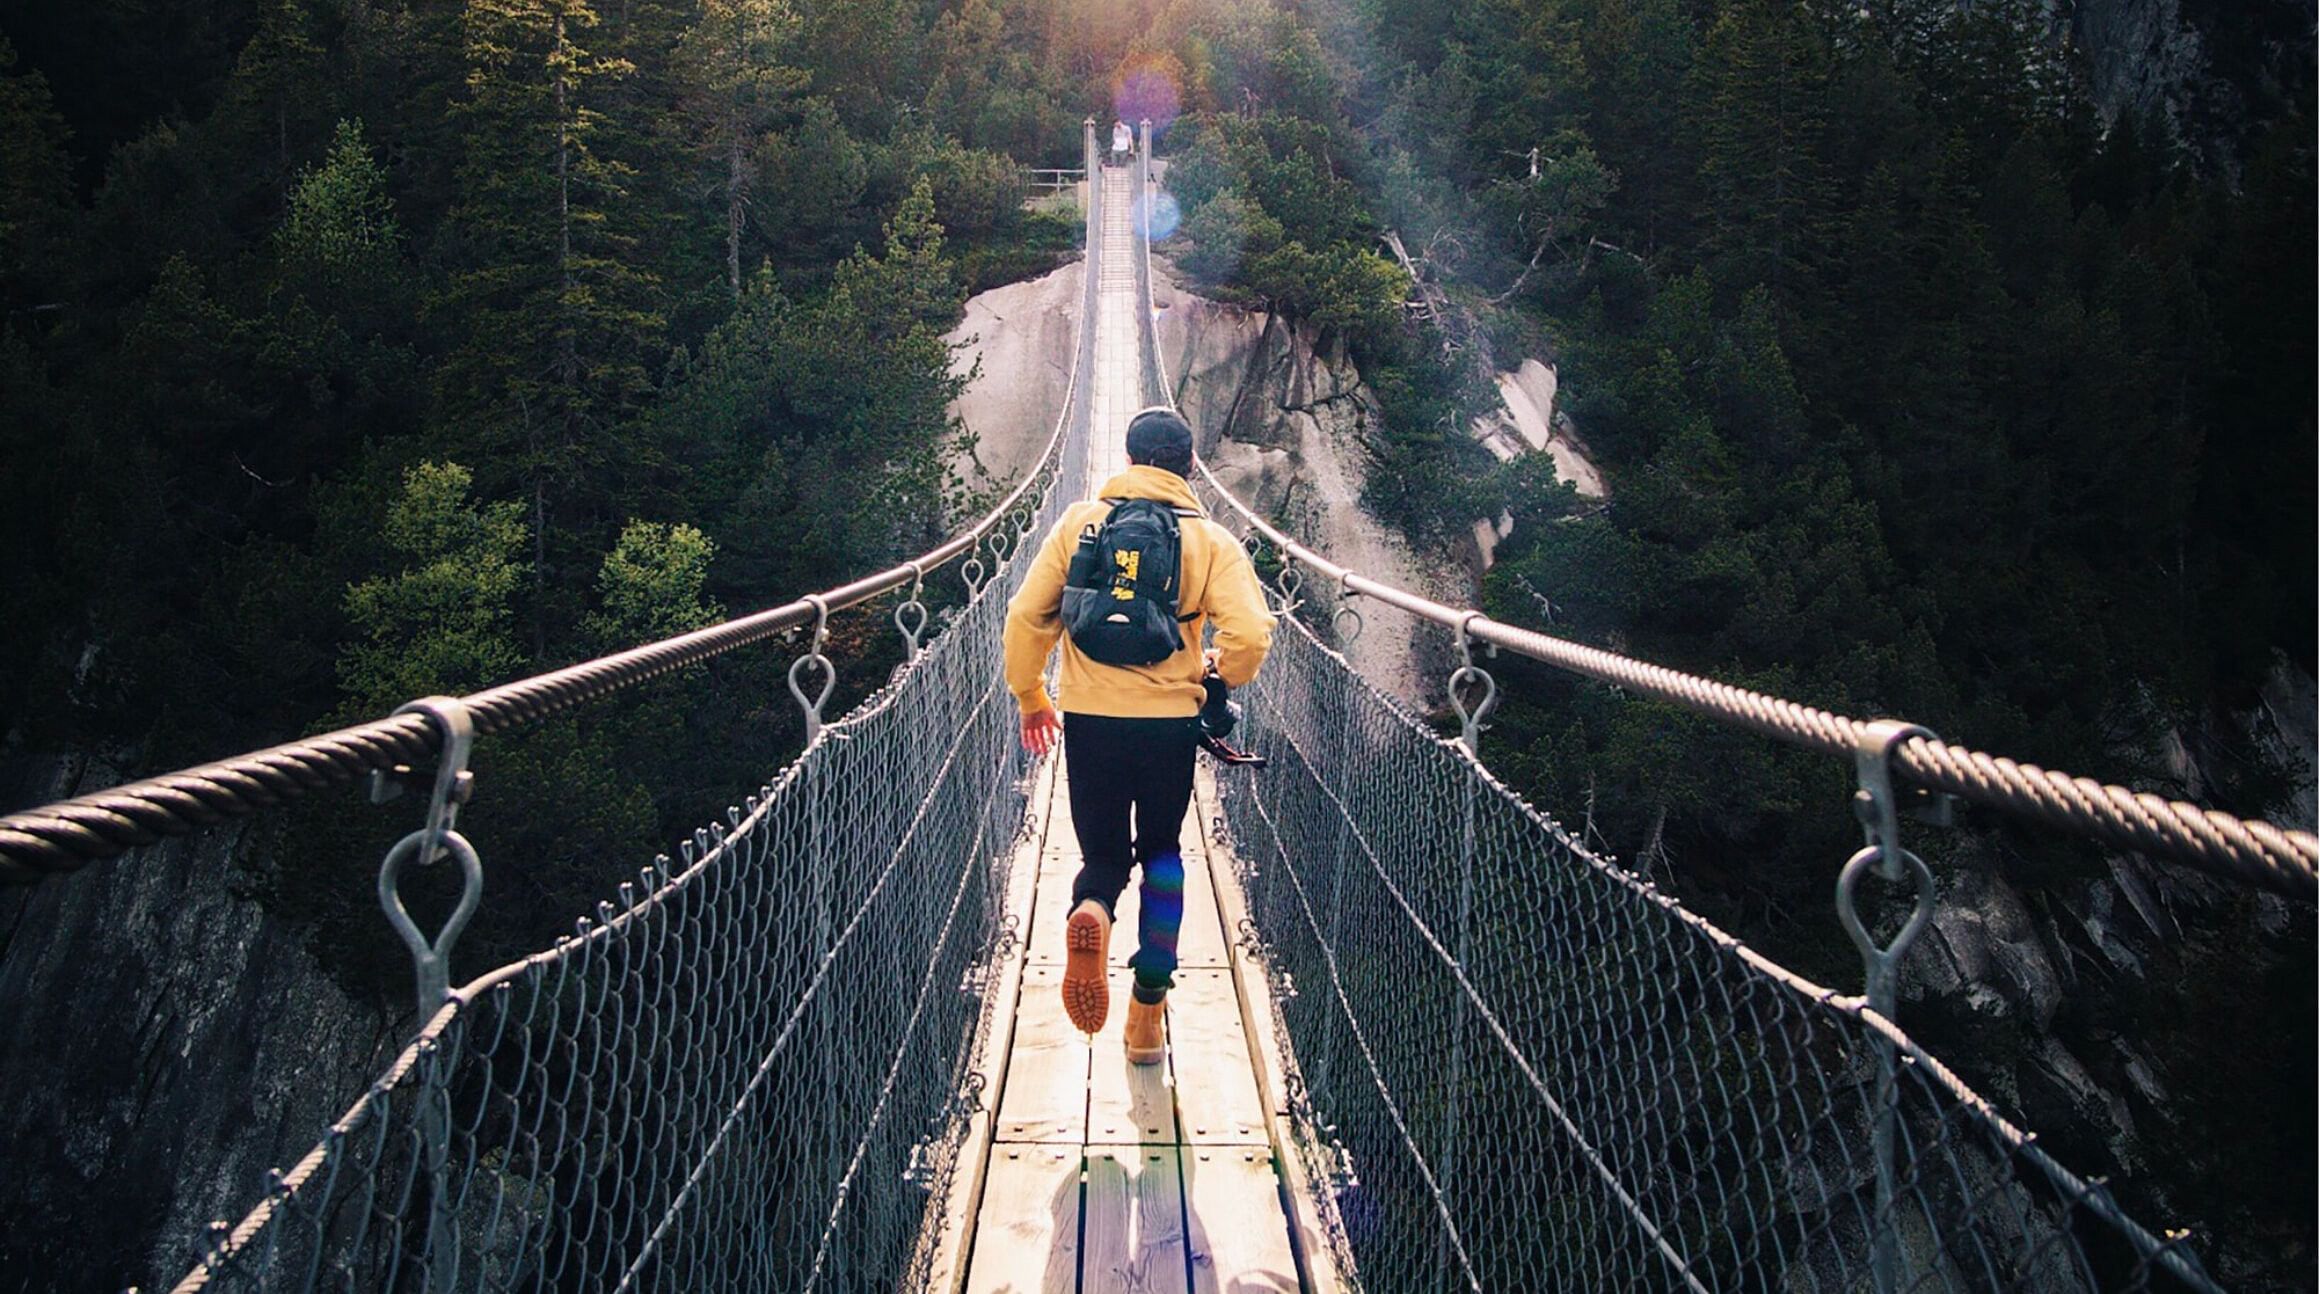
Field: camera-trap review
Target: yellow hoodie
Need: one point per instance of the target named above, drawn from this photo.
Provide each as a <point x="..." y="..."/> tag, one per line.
<point x="1218" y="585"/>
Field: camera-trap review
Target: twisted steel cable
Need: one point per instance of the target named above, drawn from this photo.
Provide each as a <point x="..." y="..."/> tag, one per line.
<point x="70" y="834"/>
<point x="2249" y="851"/>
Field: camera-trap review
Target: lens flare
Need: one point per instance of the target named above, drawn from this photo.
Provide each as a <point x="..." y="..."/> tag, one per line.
<point x="1163" y="217"/>
<point x="1146" y="89"/>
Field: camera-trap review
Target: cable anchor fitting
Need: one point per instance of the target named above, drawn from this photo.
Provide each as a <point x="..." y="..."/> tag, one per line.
<point x="911" y="626"/>
<point x="1287" y="585"/>
<point x="1346" y="614"/>
<point x="1470" y="718"/>
<point x="454" y="785"/>
<point x="813" y="705"/>
<point x="1879" y="805"/>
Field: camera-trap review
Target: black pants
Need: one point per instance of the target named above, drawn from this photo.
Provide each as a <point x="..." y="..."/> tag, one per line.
<point x="1144" y="767"/>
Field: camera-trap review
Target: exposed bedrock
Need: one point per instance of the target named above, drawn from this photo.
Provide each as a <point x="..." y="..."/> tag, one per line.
<point x="166" y="1043"/>
<point x="1283" y="418"/>
<point x="1017" y="340"/>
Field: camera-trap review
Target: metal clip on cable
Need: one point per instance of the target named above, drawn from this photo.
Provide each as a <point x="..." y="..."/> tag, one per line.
<point x="813" y="705"/>
<point x="1470" y="723"/>
<point x="912" y="627"/>
<point x="454" y="785"/>
<point x="1346" y="612"/>
<point x="1287" y="584"/>
<point x="1879" y="806"/>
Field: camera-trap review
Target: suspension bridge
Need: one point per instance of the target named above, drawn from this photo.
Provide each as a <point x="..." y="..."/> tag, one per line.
<point x="1424" y="1039"/>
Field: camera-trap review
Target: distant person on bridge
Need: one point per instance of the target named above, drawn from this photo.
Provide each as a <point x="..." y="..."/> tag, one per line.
<point x="1128" y="581"/>
<point x="1123" y="143"/>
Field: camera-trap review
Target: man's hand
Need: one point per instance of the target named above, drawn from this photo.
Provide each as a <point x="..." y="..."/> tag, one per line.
<point x="1040" y="731"/>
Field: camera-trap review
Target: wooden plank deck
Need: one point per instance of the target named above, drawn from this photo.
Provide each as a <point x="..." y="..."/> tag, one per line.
<point x="1106" y="1176"/>
<point x="1084" y="1174"/>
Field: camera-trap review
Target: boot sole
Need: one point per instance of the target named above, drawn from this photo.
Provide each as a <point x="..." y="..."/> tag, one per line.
<point x="1087" y="999"/>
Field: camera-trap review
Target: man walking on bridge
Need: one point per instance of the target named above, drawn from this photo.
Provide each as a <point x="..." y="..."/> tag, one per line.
<point x="1128" y="581"/>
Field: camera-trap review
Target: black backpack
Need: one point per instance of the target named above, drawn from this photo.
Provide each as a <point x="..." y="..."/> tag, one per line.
<point x="1119" y="594"/>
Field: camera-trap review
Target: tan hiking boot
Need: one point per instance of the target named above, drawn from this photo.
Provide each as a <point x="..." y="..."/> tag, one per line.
<point x="1147" y="1031"/>
<point x="1087" y="940"/>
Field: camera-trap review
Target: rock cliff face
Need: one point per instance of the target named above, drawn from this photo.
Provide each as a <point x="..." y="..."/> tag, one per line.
<point x="2211" y="70"/>
<point x="2124" y="1015"/>
<point x="1017" y="342"/>
<point x="166" y="1044"/>
<point x="2139" y="56"/>
<point x="1284" y="422"/>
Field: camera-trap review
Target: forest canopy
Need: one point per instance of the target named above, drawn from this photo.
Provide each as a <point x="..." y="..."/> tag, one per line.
<point x="351" y="351"/>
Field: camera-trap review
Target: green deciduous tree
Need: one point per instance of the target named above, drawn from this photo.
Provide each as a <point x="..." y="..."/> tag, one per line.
<point x="444" y="623"/>
<point x="650" y="585"/>
<point x="341" y="221"/>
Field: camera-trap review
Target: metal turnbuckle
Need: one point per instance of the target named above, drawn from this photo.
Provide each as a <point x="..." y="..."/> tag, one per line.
<point x="454" y="785"/>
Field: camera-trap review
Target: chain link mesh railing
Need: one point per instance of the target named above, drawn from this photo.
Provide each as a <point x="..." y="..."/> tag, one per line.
<point x="1531" y="1070"/>
<point x="748" y="1072"/>
<point x="1524" y="1067"/>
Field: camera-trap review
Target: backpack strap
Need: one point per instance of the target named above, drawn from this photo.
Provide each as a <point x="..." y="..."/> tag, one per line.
<point x="1179" y="511"/>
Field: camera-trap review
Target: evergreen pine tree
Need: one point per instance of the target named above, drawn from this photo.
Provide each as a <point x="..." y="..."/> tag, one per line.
<point x="561" y="321"/>
<point x="1758" y="118"/>
<point x="733" y="86"/>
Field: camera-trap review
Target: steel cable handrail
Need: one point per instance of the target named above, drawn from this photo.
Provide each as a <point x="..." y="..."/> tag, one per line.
<point x="2249" y="851"/>
<point x="70" y="834"/>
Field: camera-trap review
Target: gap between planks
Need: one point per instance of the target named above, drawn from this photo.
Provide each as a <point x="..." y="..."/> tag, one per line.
<point x="1312" y="1216"/>
<point x="951" y="1216"/>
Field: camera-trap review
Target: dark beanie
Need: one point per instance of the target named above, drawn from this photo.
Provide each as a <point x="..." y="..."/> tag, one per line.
<point x="1160" y="437"/>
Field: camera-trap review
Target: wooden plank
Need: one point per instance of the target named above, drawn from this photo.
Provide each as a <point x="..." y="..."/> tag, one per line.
<point x="1047" y="1074"/>
<point x="1311" y="1214"/>
<point x="1135" y="1221"/>
<point x="1239" y="1237"/>
<point x="1201" y="942"/>
<point x="1216" y="1090"/>
<point x="1049" y="911"/>
<point x="1126" y="1103"/>
<point x="1027" y="1237"/>
<point x="960" y="1204"/>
